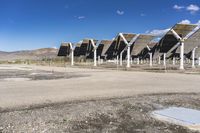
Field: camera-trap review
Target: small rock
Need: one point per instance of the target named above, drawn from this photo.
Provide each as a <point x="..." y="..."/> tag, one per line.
<point x="1" y="129"/>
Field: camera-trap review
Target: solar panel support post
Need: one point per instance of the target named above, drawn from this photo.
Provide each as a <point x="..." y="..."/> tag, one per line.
<point x="193" y="57"/>
<point x="199" y="61"/>
<point x="182" y="55"/>
<point x="95" y="56"/>
<point x="151" y="60"/>
<point x="72" y="57"/>
<point x="176" y="35"/>
<point x="141" y="61"/>
<point x="99" y="60"/>
<point x="181" y="49"/>
<point x="117" y="60"/>
<point x="128" y="47"/>
<point x="95" y="52"/>
<point x="128" y="56"/>
<point x="159" y="60"/>
<point x="138" y="61"/>
<point x="124" y="39"/>
<point x="121" y="58"/>
<point x="72" y="54"/>
<point x="164" y="59"/>
<point x="174" y="61"/>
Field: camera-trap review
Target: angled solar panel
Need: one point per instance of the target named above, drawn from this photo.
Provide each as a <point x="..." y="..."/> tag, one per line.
<point x="145" y="52"/>
<point x="184" y="29"/>
<point x="64" y="49"/>
<point x="151" y="45"/>
<point x="76" y="50"/>
<point x="90" y="50"/>
<point x="103" y="47"/>
<point x="140" y="44"/>
<point x="120" y="44"/>
<point x="109" y="52"/>
<point x="86" y="48"/>
<point x="168" y="41"/>
<point x="197" y="53"/>
<point x="194" y="42"/>
<point x="117" y="46"/>
<point x="190" y="43"/>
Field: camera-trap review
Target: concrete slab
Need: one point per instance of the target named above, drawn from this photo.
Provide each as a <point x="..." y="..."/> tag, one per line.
<point x="181" y="116"/>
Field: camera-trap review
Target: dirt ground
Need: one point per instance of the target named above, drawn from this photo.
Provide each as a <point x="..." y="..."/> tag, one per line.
<point x="69" y="99"/>
<point x="115" y="115"/>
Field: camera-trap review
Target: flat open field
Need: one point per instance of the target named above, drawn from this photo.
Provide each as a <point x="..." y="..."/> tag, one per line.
<point x="53" y="99"/>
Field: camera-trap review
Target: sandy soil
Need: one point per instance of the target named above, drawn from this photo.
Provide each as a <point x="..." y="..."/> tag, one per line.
<point x="91" y="100"/>
<point x="92" y="84"/>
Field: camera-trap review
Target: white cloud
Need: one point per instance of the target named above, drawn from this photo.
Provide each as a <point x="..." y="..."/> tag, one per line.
<point x="81" y="17"/>
<point x="157" y="32"/>
<point x="177" y="7"/>
<point x="186" y="21"/>
<point x="120" y="12"/>
<point x="193" y="8"/>
<point x="198" y="23"/>
<point x="54" y="47"/>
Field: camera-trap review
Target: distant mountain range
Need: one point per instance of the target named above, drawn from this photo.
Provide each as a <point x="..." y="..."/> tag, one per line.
<point x="37" y="54"/>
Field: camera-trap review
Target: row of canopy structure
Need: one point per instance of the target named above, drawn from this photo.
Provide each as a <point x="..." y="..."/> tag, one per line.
<point x="181" y="42"/>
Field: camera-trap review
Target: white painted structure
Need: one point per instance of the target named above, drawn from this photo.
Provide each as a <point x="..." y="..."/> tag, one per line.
<point x="138" y="61"/>
<point x="72" y="54"/>
<point x="99" y="60"/>
<point x="121" y="58"/>
<point x="181" y="40"/>
<point x="164" y="59"/>
<point x="117" y="61"/>
<point x="199" y="61"/>
<point x="159" y="60"/>
<point x="128" y="48"/>
<point x="151" y="59"/>
<point x="174" y="61"/>
<point x="95" y="50"/>
<point x="193" y="57"/>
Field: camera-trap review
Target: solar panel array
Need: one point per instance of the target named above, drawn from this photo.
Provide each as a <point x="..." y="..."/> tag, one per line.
<point x="110" y="49"/>
<point x="64" y="49"/>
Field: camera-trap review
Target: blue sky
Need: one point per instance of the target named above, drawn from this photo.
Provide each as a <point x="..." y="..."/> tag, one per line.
<point x="32" y="24"/>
